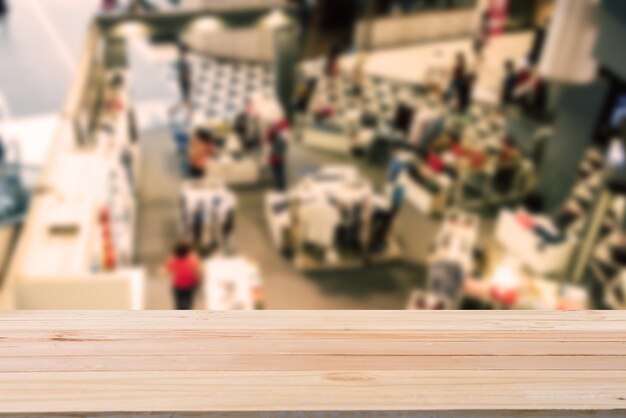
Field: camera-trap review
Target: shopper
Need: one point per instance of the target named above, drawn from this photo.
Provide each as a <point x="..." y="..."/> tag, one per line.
<point x="183" y="70"/>
<point x="179" y="127"/>
<point x="508" y="84"/>
<point x="185" y="270"/>
<point x="277" y="157"/>
<point x="4" y="17"/>
<point x="482" y="36"/>
<point x="458" y="77"/>
<point x="539" y="40"/>
<point x="465" y="90"/>
<point x="200" y="151"/>
<point x="532" y="93"/>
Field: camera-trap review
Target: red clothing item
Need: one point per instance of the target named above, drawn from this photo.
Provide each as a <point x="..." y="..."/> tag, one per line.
<point x="522" y="76"/>
<point x="435" y="162"/>
<point x="525" y="220"/>
<point x="277" y="128"/>
<point x="457" y="150"/>
<point x="477" y="160"/>
<point x="504" y="297"/>
<point x="184" y="271"/>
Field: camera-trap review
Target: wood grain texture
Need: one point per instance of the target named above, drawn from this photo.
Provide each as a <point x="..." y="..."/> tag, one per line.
<point x="127" y="362"/>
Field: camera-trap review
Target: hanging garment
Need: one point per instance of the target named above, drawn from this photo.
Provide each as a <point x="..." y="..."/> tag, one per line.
<point x="197" y="223"/>
<point x="382" y="221"/>
<point x="321" y="221"/>
<point x="403" y="117"/>
<point x="426" y="126"/>
<point x="445" y="279"/>
<point x="433" y="128"/>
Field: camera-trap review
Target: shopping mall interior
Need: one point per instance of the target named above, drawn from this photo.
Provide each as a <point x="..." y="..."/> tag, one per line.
<point x="276" y="154"/>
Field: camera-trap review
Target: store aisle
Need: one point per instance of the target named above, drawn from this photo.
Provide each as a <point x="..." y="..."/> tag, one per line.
<point x="375" y="287"/>
<point x="158" y="214"/>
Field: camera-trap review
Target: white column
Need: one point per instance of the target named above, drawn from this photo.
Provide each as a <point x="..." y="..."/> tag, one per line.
<point x="568" y="51"/>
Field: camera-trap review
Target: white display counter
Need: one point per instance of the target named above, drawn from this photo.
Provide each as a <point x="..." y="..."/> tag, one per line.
<point x="78" y="242"/>
<point x="123" y="289"/>
<point x="528" y="247"/>
<point x="232" y="283"/>
<point x="425" y="200"/>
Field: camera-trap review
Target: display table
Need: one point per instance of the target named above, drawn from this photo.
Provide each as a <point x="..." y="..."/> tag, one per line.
<point x="332" y="218"/>
<point x="235" y="171"/>
<point x="425" y="200"/>
<point x="510" y="287"/>
<point x="341" y="134"/>
<point x="524" y="243"/>
<point x="232" y="283"/>
<point x="233" y="166"/>
<point x="456" y="240"/>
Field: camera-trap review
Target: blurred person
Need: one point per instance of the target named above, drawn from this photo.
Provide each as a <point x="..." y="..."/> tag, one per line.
<point x="539" y="40"/>
<point x="184" y="74"/>
<point x="482" y="36"/>
<point x="179" y="129"/>
<point x="532" y="92"/>
<point x="509" y="81"/>
<point x="4" y="17"/>
<point x="465" y="90"/>
<point x="457" y="77"/>
<point x="277" y="159"/>
<point x="185" y="270"/>
<point x="200" y="151"/>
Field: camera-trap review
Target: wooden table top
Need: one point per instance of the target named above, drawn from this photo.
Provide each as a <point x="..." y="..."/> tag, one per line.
<point x="485" y="362"/>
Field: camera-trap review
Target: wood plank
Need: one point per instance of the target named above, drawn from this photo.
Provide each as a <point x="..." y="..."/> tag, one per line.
<point x="339" y="390"/>
<point x="151" y="342"/>
<point x="493" y="362"/>
<point x="342" y="414"/>
<point x="302" y="362"/>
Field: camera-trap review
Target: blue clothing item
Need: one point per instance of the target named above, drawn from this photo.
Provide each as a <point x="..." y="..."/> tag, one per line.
<point x="549" y="237"/>
<point x="182" y="141"/>
<point x="397" y="197"/>
<point x="395" y="169"/>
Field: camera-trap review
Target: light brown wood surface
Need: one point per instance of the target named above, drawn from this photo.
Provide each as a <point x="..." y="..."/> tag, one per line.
<point x="101" y="362"/>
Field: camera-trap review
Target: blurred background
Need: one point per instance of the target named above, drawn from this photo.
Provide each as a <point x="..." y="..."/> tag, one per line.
<point x="346" y="154"/>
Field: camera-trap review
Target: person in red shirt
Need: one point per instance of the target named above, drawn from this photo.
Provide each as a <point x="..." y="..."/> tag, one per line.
<point x="185" y="270"/>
